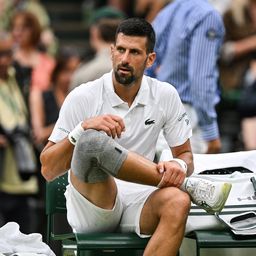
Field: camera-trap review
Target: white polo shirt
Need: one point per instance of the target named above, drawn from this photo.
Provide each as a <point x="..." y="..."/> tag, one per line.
<point x="157" y="106"/>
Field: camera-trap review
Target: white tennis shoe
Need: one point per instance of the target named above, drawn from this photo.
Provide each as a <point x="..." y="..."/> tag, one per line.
<point x="211" y="196"/>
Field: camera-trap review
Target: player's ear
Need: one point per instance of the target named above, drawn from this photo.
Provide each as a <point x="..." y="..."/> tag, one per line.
<point x="151" y="59"/>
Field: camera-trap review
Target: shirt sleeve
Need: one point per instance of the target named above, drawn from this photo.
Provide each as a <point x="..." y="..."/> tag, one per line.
<point x="203" y="72"/>
<point x="177" y="129"/>
<point x="71" y="113"/>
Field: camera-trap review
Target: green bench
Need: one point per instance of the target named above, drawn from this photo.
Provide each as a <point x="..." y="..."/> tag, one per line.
<point x="219" y="239"/>
<point x="118" y="243"/>
<point x="84" y="244"/>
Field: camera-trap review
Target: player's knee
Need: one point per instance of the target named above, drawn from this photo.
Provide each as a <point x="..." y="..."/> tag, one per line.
<point x="96" y="156"/>
<point x="85" y="162"/>
<point x="176" y="204"/>
<point x="184" y="202"/>
<point x="92" y="141"/>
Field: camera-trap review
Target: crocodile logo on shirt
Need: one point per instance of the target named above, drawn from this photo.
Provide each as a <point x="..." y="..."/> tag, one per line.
<point x="149" y="122"/>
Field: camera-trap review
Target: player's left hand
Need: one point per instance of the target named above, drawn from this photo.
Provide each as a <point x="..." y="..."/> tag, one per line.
<point x="173" y="174"/>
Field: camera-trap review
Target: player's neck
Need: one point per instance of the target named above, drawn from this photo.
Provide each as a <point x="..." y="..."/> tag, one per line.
<point x="127" y="93"/>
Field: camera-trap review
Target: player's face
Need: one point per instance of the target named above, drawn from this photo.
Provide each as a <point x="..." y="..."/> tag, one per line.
<point x="130" y="58"/>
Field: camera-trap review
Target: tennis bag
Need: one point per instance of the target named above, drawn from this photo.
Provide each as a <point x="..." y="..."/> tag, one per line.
<point x="238" y="168"/>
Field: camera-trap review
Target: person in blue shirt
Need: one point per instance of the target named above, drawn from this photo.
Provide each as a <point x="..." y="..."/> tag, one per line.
<point x="189" y="36"/>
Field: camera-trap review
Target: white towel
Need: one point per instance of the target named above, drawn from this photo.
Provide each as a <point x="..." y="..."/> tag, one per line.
<point x="13" y="241"/>
<point x="23" y="254"/>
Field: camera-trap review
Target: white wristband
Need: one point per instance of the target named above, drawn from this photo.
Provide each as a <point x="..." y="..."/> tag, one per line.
<point x="181" y="163"/>
<point x="76" y="133"/>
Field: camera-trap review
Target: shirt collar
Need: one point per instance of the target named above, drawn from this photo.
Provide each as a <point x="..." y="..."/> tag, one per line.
<point x="142" y="97"/>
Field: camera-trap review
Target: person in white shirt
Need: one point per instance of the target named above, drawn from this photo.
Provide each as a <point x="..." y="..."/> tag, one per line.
<point x="106" y="136"/>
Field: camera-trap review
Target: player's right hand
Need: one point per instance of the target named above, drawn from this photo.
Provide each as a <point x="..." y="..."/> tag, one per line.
<point x="111" y="124"/>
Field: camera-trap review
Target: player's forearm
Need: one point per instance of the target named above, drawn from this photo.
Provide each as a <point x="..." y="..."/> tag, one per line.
<point x="187" y="157"/>
<point x="56" y="159"/>
<point x="184" y="152"/>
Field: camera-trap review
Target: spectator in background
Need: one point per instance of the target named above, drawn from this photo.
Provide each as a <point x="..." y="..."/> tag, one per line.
<point x="15" y="193"/>
<point x="5" y="14"/>
<point x="220" y="5"/>
<point x="33" y="66"/>
<point x="148" y="9"/>
<point x="189" y="36"/>
<point x="45" y="105"/>
<point x="102" y="35"/>
<point x="125" y="6"/>
<point x="237" y="71"/>
<point x="44" y="110"/>
<point x="48" y="41"/>
<point x="247" y="109"/>
<point x="239" y="47"/>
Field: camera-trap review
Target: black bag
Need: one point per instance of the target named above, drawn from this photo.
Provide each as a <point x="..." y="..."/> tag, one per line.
<point x="23" y="152"/>
<point x="2" y="155"/>
<point x="247" y="102"/>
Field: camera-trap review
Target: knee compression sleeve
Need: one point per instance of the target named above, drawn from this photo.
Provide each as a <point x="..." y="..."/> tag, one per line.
<point x="96" y="156"/>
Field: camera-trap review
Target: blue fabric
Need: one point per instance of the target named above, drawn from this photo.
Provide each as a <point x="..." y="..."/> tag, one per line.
<point x="189" y="36"/>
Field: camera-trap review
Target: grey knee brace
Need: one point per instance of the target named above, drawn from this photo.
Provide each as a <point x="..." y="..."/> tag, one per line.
<point x="96" y="156"/>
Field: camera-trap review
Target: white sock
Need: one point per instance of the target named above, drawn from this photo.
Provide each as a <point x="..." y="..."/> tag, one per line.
<point x="183" y="185"/>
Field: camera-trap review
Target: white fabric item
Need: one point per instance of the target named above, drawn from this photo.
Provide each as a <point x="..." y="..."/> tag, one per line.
<point x="198" y="144"/>
<point x="245" y="159"/>
<point x="83" y="216"/>
<point x="203" y="162"/>
<point x="23" y="254"/>
<point x="76" y="133"/>
<point x="157" y="106"/>
<point x="13" y="241"/>
<point x="241" y="198"/>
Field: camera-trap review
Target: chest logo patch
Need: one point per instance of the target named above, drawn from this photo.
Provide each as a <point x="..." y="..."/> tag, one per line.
<point x="149" y="122"/>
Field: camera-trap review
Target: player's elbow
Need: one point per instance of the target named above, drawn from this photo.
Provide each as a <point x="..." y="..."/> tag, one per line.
<point x="46" y="174"/>
<point x="45" y="169"/>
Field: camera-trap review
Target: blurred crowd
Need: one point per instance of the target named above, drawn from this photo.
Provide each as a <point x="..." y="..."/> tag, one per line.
<point x="37" y="72"/>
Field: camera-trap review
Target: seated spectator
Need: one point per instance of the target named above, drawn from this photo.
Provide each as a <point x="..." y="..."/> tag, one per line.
<point x="102" y="35"/>
<point x="15" y="192"/>
<point x="33" y="67"/>
<point x="247" y="108"/>
<point x="238" y="50"/>
<point x="239" y="47"/>
<point x="44" y="106"/>
<point x="48" y="41"/>
<point x="148" y="9"/>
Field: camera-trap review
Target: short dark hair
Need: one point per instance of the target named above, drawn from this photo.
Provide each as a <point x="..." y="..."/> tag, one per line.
<point x="138" y="27"/>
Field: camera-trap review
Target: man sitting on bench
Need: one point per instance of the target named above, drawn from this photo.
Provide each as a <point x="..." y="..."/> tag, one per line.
<point x="106" y="136"/>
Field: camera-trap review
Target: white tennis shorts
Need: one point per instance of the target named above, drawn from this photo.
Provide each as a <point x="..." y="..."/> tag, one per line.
<point x="85" y="217"/>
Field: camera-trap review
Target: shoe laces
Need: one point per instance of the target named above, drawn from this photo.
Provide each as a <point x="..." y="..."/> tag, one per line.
<point x="203" y="190"/>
